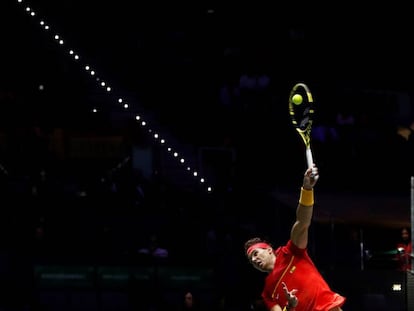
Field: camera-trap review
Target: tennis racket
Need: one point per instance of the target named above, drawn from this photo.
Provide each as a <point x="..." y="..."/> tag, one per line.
<point x="301" y="112"/>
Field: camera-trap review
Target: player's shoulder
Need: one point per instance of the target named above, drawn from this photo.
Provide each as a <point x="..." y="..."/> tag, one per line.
<point x="293" y="248"/>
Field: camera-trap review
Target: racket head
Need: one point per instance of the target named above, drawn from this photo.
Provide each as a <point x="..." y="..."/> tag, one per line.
<point x="302" y="114"/>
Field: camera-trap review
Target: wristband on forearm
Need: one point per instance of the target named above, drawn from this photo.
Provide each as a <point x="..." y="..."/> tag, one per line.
<point x="306" y="197"/>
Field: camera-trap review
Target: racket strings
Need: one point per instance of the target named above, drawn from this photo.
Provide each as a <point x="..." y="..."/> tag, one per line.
<point x="306" y="121"/>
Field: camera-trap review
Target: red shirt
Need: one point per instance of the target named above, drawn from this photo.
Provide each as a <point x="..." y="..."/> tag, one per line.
<point x="404" y="257"/>
<point x="294" y="267"/>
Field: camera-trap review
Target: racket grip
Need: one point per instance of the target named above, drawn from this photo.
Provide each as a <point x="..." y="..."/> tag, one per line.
<point x="309" y="157"/>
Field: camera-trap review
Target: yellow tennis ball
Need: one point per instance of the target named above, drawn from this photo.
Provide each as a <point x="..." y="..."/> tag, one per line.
<point x="297" y="99"/>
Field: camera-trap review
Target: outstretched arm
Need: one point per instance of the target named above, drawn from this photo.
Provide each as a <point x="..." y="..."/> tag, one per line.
<point x="304" y="211"/>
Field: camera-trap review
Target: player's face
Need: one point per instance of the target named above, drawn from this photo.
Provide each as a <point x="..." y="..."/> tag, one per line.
<point x="405" y="235"/>
<point x="262" y="259"/>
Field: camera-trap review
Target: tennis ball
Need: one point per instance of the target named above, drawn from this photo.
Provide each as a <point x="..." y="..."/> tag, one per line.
<point x="297" y="99"/>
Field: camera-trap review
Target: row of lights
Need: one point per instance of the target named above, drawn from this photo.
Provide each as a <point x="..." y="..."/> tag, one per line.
<point x="101" y="83"/>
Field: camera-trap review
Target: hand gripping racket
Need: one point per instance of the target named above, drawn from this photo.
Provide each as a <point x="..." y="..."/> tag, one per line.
<point x="301" y="112"/>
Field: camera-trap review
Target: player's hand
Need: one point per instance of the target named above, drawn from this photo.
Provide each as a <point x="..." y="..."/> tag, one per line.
<point x="311" y="177"/>
<point x="290" y="295"/>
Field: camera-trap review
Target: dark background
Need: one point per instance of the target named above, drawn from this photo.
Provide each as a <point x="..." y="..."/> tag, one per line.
<point x="169" y="62"/>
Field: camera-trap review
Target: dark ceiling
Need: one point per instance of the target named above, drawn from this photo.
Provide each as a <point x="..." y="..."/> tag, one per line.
<point x="169" y="61"/>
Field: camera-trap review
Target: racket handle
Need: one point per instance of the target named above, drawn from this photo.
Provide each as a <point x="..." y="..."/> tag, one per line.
<point x="309" y="157"/>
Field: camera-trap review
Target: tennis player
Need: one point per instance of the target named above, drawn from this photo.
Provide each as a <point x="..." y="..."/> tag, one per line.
<point x="291" y="266"/>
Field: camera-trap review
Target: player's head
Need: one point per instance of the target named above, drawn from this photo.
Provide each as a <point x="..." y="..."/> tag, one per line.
<point x="260" y="254"/>
<point x="405" y="234"/>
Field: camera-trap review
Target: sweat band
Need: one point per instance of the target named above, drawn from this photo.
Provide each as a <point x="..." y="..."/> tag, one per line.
<point x="257" y="245"/>
<point x="306" y="197"/>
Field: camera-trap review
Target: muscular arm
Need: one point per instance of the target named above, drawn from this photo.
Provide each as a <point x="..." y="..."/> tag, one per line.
<point x="300" y="229"/>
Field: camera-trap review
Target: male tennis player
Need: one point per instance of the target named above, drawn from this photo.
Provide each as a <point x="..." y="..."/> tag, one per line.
<point x="291" y="265"/>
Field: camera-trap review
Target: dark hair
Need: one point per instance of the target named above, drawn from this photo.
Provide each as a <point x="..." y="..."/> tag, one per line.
<point x="253" y="241"/>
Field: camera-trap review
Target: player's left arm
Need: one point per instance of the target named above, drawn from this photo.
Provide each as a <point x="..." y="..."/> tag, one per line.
<point x="300" y="230"/>
<point x="276" y="308"/>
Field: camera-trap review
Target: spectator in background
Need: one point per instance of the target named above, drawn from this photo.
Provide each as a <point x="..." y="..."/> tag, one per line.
<point x="189" y="302"/>
<point x="406" y="147"/>
<point x="153" y="250"/>
<point x="404" y="250"/>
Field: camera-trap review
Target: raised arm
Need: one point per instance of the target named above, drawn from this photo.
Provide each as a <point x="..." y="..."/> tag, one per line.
<point x="304" y="211"/>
